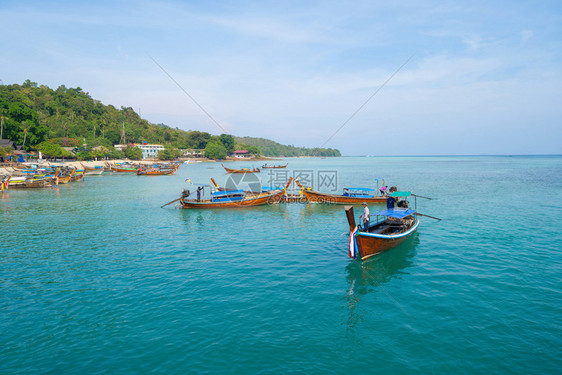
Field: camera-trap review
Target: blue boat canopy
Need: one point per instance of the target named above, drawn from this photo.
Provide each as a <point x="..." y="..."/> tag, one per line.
<point x="227" y="193"/>
<point x="359" y="189"/>
<point x="398" y="213"/>
<point x="400" y="194"/>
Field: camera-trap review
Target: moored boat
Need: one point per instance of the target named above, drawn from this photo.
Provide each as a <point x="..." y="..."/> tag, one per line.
<point x="243" y="170"/>
<point x="22" y="182"/>
<point x="77" y="175"/>
<point x="155" y="172"/>
<point x="92" y="171"/>
<point x="349" y="196"/>
<point x="392" y="227"/>
<point x="235" y="199"/>
<point x="124" y="169"/>
<point x="274" y="166"/>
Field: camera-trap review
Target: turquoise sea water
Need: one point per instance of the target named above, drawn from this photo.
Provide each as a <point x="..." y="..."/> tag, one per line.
<point x="95" y="277"/>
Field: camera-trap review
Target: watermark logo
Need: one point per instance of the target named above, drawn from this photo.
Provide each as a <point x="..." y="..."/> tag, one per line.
<point x="241" y="188"/>
<point x="241" y="181"/>
<point x="325" y="180"/>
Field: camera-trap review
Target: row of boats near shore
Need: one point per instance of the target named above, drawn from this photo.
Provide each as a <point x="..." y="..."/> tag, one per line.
<point x="381" y="231"/>
<point x="34" y="175"/>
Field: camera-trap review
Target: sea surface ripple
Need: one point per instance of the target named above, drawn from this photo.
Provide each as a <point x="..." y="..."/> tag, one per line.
<point x="96" y="278"/>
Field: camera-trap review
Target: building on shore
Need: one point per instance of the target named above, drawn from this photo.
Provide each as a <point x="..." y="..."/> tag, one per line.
<point x="149" y="151"/>
<point x="242" y="154"/>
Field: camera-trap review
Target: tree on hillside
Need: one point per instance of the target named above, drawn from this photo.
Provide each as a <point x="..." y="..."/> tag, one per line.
<point x="2" y="118"/>
<point x="253" y="149"/>
<point x="215" y="150"/>
<point x="133" y="153"/>
<point x="199" y="140"/>
<point x="51" y="149"/>
<point x="228" y="141"/>
<point x="169" y="153"/>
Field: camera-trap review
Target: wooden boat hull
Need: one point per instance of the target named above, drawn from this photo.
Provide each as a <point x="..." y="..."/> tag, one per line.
<point x="370" y="244"/>
<point x="274" y="166"/>
<point x="163" y="172"/>
<point x="247" y="202"/>
<point x="29" y="184"/>
<point x="63" y="179"/>
<point x="317" y="197"/>
<point x="94" y="171"/>
<point x="124" y="170"/>
<point x="230" y="170"/>
<point x="77" y="177"/>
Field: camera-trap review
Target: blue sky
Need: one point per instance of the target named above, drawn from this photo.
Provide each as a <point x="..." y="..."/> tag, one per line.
<point x="484" y="77"/>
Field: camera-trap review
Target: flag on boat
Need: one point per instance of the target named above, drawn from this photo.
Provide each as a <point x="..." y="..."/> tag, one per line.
<point x="188" y="180"/>
<point x="352" y="244"/>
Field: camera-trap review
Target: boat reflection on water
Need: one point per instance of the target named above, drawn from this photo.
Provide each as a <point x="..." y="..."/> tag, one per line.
<point x="370" y="275"/>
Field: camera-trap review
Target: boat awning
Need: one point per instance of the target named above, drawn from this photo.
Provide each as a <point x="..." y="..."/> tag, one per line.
<point x="359" y="189"/>
<point x="400" y="194"/>
<point x="398" y="213"/>
<point x="227" y="193"/>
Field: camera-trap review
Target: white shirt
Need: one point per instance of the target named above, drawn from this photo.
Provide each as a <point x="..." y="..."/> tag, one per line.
<point x="365" y="215"/>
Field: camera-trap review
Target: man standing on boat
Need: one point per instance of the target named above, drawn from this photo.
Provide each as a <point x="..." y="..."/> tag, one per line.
<point x="199" y="193"/>
<point x="365" y="217"/>
<point x="390" y="203"/>
<point x="383" y="190"/>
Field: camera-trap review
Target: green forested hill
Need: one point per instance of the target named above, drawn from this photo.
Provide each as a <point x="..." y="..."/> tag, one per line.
<point x="271" y="148"/>
<point x="33" y="113"/>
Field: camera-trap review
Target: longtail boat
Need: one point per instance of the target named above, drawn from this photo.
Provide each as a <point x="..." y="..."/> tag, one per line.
<point x="60" y="180"/>
<point x="349" y="196"/>
<point x="235" y="199"/>
<point x="92" y="171"/>
<point x="243" y="170"/>
<point x="22" y="182"/>
<point x="392" y="227"/>
<point x="77" y="175"/>
<point x="124" y="169"/>
<point x="274" y="166"/>
<point x="155" y="172"/>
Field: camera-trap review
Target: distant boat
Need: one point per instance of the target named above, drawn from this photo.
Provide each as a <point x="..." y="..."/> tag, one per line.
<point x="90" y="171"/>
<point x="396" y="225"/>
<point x="77" y="174"/>
<point x="25" y="182"/>
<point x="235" y="199"/>
<point x="243" y="170"/>
<point x="124" y="169"/>
<point x="274" y="166"/>
<point x="155" y="172"/>
<point x="349" y="196"/>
